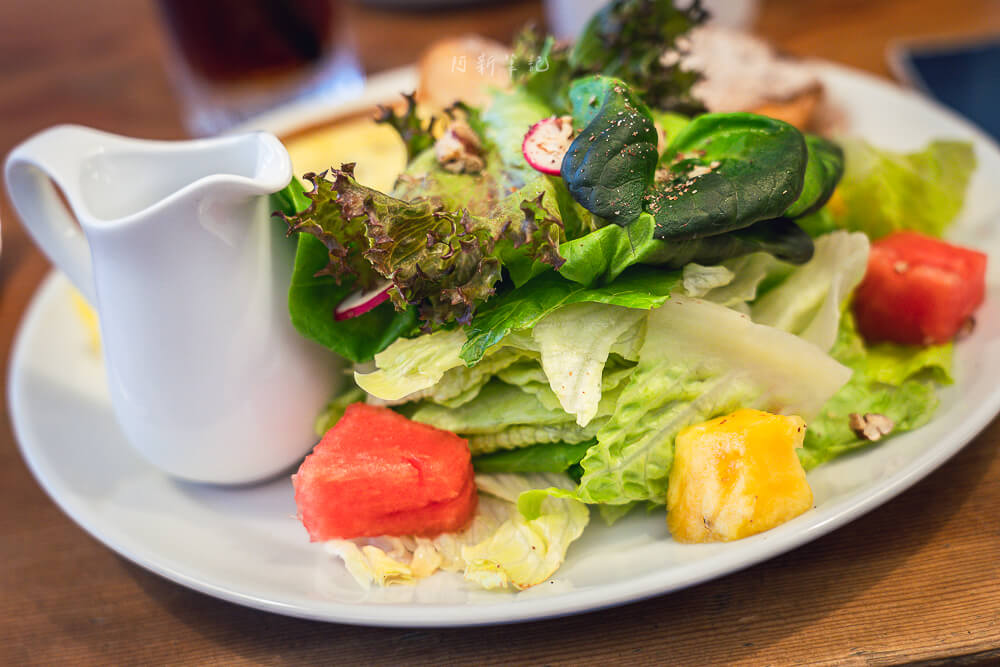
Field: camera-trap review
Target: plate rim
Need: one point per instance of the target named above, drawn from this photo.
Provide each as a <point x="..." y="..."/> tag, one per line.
<point x="505" y="610"/>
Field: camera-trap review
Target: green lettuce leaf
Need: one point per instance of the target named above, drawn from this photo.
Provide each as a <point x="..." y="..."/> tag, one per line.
<point x="884" y="191"/>
<point x="527" y="548"/>
<point x="509" y="117"/>
<point x="313" y="296"/>
<point x="524" y="307"/>
<point x="809" y="302"/>
<point x="893" y="380"/>
<point x="411" y="365"/>
<point x="605" y="253"/>
<point x="574" y="343"/>
<point x="699" y="360"/>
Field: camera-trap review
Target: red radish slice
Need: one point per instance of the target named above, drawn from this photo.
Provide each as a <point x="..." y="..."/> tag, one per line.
<point x="360" y="302"/>
<point x="546" y="143"/>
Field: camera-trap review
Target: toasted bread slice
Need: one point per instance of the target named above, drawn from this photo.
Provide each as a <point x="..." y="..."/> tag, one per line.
<point x="799" y="110"/>
<point x="462" y="69"/>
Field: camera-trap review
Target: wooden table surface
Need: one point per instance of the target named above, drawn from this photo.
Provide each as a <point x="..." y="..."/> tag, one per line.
<point x="917" y="580"/>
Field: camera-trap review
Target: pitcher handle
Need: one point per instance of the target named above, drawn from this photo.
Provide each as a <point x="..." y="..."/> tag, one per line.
<point x="52" y="156"/>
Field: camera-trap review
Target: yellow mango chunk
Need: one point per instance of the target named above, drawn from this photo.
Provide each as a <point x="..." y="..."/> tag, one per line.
<point x="736" y="476"/>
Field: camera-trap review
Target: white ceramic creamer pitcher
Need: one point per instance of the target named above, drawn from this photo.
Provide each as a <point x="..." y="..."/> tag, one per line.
<point x="189" y="275"/>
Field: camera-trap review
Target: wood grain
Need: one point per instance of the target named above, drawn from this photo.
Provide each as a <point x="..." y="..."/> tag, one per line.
<point x="915" y="580"/>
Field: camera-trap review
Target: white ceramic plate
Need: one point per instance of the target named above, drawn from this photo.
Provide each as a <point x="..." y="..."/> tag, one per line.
<point x="243" y="544"/>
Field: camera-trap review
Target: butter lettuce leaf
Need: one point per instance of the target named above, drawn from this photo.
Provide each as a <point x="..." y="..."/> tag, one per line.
<point x="884" y="191"/>
<point x="897" y="381"/>
<point x="606" y="253"/>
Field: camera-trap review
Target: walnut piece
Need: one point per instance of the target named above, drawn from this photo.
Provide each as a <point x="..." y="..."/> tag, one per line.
<point x="870" y="426"/>
<point x="459" y="149"/>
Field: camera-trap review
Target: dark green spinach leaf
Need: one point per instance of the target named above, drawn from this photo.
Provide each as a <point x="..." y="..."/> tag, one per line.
<point x="724" y="172"/>
<point x="610" y="164"/>
<point x="544" y="457"/>
<point x="823" y="171"/>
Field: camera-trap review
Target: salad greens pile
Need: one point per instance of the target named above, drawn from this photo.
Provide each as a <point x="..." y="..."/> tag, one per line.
<point x="682" y="265"/>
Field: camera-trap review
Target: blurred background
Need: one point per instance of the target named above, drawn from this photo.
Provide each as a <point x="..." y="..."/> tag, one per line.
<point x="164" y="68"/>
<point x="170" y="69"/>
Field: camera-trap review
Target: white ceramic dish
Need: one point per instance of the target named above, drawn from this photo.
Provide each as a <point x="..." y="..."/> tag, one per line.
<point x="244" y="545"/>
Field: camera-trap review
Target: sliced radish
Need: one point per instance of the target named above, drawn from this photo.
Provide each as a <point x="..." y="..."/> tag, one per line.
<point x="360" y="302"/>
<point x="546" y="143"/>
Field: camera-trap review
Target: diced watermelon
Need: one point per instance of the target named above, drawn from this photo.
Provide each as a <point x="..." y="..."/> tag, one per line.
<point x="918" y="290"/>
<point x="378" y="473"/>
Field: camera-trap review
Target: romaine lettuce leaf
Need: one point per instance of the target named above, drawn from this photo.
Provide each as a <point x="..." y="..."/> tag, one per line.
<point x="411" y="365"/>
<point x="809" y="302"/>
<point x="516" y="436"/>
<point x="574" y="342"/>
<point x="883" y="191"/>
<point x="699" y="360"/>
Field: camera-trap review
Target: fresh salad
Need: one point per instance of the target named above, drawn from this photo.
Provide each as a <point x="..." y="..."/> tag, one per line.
<point x="590" y="296"/>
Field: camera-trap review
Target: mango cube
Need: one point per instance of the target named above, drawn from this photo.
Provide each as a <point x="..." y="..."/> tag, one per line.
<point x="736" y="476"/>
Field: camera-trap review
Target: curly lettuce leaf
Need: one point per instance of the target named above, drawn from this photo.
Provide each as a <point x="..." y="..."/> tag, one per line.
<point x="313" y="295"/>
<point x="444" y="261"/>
<point x="897" y="381"/>
<point x="884" y="191"/>
<point x="417" y="134"/>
